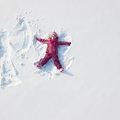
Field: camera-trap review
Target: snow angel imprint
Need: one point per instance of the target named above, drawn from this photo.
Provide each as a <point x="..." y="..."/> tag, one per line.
<point x="51" y="51"/>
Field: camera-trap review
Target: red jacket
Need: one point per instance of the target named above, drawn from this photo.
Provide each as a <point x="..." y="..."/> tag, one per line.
<point x="52" y="45"/>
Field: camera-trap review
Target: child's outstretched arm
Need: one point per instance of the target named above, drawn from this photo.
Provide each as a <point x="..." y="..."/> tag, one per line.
<point x="64" y="43"/>
<point x="42" y="40"/>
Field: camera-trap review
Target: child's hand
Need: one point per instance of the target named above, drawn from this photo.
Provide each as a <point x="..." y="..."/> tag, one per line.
<point x="69" y="43"/>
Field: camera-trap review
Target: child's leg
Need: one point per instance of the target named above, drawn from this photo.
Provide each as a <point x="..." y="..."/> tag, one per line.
<point x="56" y="61"/>
<point x="44" y="60"/>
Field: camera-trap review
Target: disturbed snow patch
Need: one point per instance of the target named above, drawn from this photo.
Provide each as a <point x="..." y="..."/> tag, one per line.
<point x="8" y="73"/>
<point x="14" y="46"/>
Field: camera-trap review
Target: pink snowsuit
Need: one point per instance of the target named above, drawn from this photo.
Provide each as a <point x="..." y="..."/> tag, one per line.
<point x="52" y="51"/>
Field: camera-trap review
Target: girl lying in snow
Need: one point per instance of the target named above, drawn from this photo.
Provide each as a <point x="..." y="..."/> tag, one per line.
<point x="51" y="51"/>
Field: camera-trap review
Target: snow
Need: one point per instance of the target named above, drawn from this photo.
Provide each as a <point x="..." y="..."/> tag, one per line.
<point x="88" y="89"/>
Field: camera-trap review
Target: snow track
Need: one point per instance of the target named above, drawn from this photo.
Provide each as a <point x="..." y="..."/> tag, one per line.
<point x="14" y="45"/>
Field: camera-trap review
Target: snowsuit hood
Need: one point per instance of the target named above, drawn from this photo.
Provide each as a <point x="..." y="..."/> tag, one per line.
<point x="54" y="35"/>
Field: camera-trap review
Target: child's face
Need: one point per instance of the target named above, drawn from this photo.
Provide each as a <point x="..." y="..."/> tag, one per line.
<point x="53" y="37"/>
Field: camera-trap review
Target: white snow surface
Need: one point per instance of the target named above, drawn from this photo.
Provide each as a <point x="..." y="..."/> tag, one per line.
<point x="88" y="89"/>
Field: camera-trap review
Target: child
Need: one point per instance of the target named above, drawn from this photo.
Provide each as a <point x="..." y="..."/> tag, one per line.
<point x="51" y="51"/>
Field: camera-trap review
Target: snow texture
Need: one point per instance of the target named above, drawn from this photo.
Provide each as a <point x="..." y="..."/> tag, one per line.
<point x="8" y="73"/>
